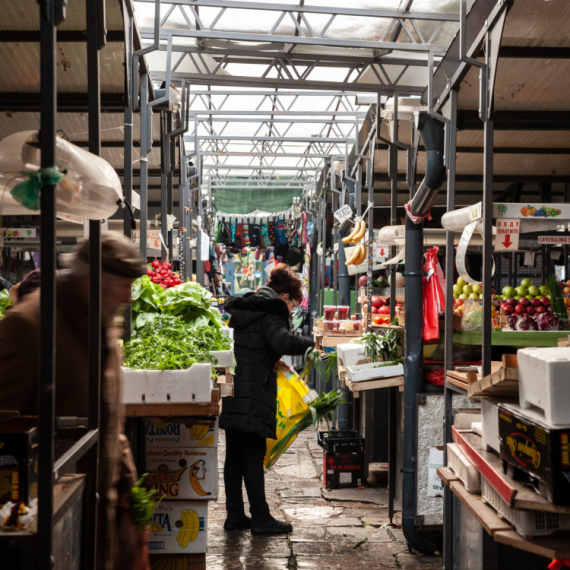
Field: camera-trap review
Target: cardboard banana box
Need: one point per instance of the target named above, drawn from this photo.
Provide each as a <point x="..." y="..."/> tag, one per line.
<point x="183" y="473"/>
<point x="179" y="527"/>
<point x="180" y="434"/>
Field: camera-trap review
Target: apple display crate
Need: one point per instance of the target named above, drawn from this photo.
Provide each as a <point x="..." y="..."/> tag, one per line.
<point x="526" y="523"/>
<point x="543" y="382"/>
<point x="463" y="468"/>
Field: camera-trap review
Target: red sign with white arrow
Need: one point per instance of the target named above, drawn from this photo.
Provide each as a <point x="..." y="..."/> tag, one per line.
<point x="507" y="238"/>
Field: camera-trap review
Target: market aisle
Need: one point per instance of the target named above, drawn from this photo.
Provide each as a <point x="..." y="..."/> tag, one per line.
<point x="327" y="524"/>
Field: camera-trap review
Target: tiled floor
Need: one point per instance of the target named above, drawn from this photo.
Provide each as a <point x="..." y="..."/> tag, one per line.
<point x="337" y="529"/>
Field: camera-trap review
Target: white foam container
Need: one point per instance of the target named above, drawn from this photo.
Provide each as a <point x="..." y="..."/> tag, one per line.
<point x="526" y="523"/>
<point x="490" y="421"/>
<point x="350" y="353"/>
<point x="224" y="358"/>
<point x="544" y="382"/>
<point x="192" y="386"/>
<point x="363" y="372"/>
<point x="463" y="468"/>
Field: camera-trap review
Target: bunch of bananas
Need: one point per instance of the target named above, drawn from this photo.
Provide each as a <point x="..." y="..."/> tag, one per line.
<point x="198" y="432"/>
<point x="190" y="527"/>
<point x="359" y="254"/>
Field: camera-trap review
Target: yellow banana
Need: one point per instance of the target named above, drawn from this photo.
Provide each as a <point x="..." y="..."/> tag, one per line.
<point x="198" y="432"/>
<point x="350" y="237"/>
<point x="208" y="441"/>
<point x="361" y="231"/>
<point x="362" y="258"/>
<point x="194" y="470"/>
<point x="190" y="527"/>
<point x="353" y="257"/>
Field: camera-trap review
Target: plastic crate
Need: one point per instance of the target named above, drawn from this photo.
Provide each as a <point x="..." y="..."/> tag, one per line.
<point x="526" y="523"/>
<point x="463" y="468"/>
<point x="340" y="441"/>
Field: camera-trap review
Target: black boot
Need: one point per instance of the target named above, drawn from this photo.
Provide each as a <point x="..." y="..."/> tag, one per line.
<point x="237" y="522"/>
<point x="269" y="525"/>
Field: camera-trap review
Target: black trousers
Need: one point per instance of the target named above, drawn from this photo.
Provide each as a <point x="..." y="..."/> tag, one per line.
<point x="244" y="462"/>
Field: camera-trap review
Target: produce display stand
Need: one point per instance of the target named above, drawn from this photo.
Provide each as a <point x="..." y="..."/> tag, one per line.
<point x="512" y="338"/>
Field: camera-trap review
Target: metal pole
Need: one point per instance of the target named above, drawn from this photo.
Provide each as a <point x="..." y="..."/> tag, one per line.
<point x="448" y="364"/>
<point x="566" y="262"/>
<point x="163" y="191"/>
<point x="334" y="255"/>
<point x="169" y="183"/>
<point x="324" y="256"/>
<point x="199" y="260"/>
<point x="145" y="115"/>
<point x="48" y="108"/>
<point x="487" y="327"/>
<point x="393" y="205"/>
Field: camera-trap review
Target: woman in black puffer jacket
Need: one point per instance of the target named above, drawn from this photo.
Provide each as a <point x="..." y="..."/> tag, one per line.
<point x="261" y="337"/>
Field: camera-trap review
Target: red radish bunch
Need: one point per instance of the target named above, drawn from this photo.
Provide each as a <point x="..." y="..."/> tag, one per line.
<point x="161" y="274"/>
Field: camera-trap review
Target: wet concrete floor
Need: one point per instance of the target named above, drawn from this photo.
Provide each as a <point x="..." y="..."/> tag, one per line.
<point x="332" y="529"/>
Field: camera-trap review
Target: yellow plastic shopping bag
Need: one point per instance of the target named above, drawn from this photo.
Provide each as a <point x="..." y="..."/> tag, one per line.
<point x="292" y="412"/>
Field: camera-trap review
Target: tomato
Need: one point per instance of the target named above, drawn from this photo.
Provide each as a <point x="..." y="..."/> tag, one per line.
<point x="378" y="320"/>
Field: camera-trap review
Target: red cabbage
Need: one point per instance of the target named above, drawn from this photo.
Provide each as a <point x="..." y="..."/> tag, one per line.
<point x="548" y="322"/>
<point x="512" y="321"/>
<point x="526" y="323"/>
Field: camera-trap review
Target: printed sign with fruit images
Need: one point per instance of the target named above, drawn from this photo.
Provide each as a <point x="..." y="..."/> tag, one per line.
<point x="532" y="211"/>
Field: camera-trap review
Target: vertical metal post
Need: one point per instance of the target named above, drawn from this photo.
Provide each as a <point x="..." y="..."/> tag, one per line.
<point x="169" y="184"/>
<point x="163" y="197"/>
<point x="199" y="260"/>
<point x="94" y="358"/>
<point x="566" y="262"/>
<point x="145" y="116"/>
<point x="334" y="255"/>
<point x="487" y="327"/>
<point x="48" y="107"/>
<point x="393" y="205"/>
<point x="324" y="256"/>
<point x="183" y="230"/>
<point x="448" y="364"/>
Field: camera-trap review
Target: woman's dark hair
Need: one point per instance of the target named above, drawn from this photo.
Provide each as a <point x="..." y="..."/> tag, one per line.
<point x="282" y="280"/>
<point x="30" y="283"/>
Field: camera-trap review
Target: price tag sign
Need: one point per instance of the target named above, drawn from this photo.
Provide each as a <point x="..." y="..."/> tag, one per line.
<point x="507" y="238"/>
<point x="382" y="250"/>
<point x="343" y="213"/>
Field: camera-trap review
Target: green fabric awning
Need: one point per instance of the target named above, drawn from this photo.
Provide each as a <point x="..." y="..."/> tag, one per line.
<point x="244" y="200"/>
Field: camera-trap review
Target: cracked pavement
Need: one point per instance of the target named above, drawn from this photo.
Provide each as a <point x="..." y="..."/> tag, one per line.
<point x="336" y="529"/>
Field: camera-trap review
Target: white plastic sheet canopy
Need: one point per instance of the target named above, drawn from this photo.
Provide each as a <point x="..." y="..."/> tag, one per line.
<point x="90" y="188"/>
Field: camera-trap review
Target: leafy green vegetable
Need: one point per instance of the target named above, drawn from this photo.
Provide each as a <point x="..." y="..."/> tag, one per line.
<point x="147" y="296"/>
<point x="167" y="343"/>
<point x="142" y="504"/>
<point x="325" y="365"/>
<point x="557" y="301"/>
<point x="383" y="346"/>
<point x="322" y="408"/>
<point x="5" y="301"/>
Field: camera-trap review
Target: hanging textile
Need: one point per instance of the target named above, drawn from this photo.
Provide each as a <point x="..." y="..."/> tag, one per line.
<point x="434" y="297"/>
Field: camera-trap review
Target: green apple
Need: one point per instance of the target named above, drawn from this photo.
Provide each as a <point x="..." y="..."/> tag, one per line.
<point x="533" y="290"/>
<point x="530" y="297"/>
<point x="477" y="288"/>
<point x="474" y="296"/>
<point x="461" y="282"/>
<point x="526" y="282"/>
<point x="544" y="290"/>
<point x="467" y="289"/>
<point x="549" y="296"/>
<point x="522" y="291"/>
<point x="517" y="297"/>
<point x="457" y="289"/>
<point x="464" y="296"/>
<point x="455" y="296"/>
<point x="509" y="292"/>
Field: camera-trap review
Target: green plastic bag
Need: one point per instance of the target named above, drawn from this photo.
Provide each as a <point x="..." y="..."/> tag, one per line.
<point x="28" y="193"/>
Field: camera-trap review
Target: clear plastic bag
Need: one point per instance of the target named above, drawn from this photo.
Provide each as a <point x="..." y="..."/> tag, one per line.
<point x="472" y="316"/>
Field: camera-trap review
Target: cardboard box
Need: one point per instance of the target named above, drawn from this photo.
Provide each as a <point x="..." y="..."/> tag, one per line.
<point x="18" y="460"/>
<point x="180" y="434"/>
<point x="183" y="473"/>
<point x="179" y="527"/>
<point x="178" y="562"/>
<point x="192" y="386"/>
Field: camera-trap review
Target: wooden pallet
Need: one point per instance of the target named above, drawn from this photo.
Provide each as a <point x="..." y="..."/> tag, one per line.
<point x="501" y="382"/>
<point x="166" y="410"/>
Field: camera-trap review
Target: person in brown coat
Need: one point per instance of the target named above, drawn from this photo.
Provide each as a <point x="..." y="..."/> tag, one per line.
<point x="19" y="374"/>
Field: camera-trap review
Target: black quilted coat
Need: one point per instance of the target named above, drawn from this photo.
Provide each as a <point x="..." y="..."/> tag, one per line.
<point x="261" y="337"/>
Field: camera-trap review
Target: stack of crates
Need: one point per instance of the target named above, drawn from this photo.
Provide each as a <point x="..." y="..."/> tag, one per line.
<point x="182" y="465"/>
<point x="343" y="459"/>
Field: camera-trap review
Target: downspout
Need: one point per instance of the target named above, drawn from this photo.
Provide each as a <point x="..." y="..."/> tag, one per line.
<point x="432" y="132"/>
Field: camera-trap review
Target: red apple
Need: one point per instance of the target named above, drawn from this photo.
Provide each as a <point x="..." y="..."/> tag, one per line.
<point x="540" y="309"/>
<point x="524" y="302"/>
<point x="363" y="281"/>
<point x="520" y="309"/>
<point x="507" y="308"/>
<point x="545" y="301"/>
<point x="511" y="301"/>
<point x="535" y="302"/>
<point x="530" y="310"/>
<point x="460" y="302"/>
<point x="377" y="302"/>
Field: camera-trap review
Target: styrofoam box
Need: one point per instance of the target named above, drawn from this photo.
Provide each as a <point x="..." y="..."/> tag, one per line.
<point x="224" y="358"/>
<point x="228" y="331"/>
<point x="544" y="382"/>
<point x="371" y="371"/>
<point x="192" y="386"/>
<point x="463" y="468"/>
<point x="490" y="421"/>
<point x="350" y="353"/>
<point x="168" y="535"/>
<point x="183" y="473"/>
<point x="180" y="434"/>
<point x="526" y="523"/>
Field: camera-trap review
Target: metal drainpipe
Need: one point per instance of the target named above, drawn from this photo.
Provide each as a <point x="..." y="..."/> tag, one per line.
<point x="413" y="372"/>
